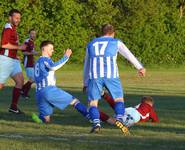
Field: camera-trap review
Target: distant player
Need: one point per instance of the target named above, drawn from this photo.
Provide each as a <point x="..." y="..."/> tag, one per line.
<point x="48" y="95"/>
<point x="9" y="63"/>
<point x="143" y="112"/>
<point x="100" y="70"/>
<point x="29" y="62"/>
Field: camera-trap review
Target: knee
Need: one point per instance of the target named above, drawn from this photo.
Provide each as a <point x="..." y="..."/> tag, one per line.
<point x="47" y="119"/>
<point x="19" y="83"/>
<point x="119" y="100"/>
<point x="93" y="103"/>
<point x="74" y="102"/>
<point x="1" y="86"/>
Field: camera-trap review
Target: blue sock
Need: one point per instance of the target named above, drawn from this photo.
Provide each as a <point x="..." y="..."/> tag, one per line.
<point x="119" y="109"/>
<point x="42" y="118"/>
<point x="81" y="108"/>
<point x="95" y="115"/>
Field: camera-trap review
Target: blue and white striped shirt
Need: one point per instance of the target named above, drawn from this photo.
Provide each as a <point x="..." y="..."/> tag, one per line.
<point x="44" y="71"/>
<point x="101" y="58"/>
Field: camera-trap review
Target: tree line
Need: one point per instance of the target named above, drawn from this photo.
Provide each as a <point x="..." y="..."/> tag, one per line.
<point x="154" y="30"/>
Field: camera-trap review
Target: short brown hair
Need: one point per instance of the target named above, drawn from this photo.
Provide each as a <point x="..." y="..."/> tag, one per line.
<point x="45" y="43"/>
<point x="147" y="99"/>
<point x="32" y="29"/>
<point x="107" y="29"/>
<point x="11" y="12"/>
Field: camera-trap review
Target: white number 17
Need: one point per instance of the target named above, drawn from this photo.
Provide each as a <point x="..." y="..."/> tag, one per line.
<point x="100" y="47"/>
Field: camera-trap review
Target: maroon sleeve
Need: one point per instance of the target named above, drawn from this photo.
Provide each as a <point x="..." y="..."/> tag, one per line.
<point x="6" y="36"/>
<point x="153" y="116"/>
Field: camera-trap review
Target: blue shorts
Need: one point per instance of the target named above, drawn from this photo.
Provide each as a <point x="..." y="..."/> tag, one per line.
<point x="9" y="67"/>
<point x="51" y="97"/>
<point x="95" y="88"/>
<point x="30" y="73"/>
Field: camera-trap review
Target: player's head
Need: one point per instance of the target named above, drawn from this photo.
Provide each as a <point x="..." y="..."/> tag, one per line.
<point x="47" y="48"/>
<point x="14" y="17"/>
<point x="108" y="30"/>
<point x="147" y="99"/>
<point x="32" y="34"/>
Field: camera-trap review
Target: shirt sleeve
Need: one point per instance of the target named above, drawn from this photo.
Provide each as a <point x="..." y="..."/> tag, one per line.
<point x="124" y="51"/>
<point x="153" y="116"/>
<point x="6" y="36"/>
<point x="86" y="69"/>
<point x="53" y="66"/>
<point x="27" y="47"/>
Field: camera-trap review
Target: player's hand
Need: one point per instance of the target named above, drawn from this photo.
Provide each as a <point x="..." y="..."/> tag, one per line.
<point x="23" y="47"/>
<point x="84" y="89"/>
<point x="142" y="72"/>
<point x="35" y="52"/>
<point x="68" y="52"/>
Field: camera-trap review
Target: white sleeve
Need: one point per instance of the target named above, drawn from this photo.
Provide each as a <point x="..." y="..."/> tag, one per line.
<point x="124" y="51"/>
<point x="86" y="69"/>
<point x="53" y="66"/>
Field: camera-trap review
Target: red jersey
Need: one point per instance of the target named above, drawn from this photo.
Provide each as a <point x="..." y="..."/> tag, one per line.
<point x="9" y="35"/>
<point x="29" y="59"/>
<point x="147" y="112"/>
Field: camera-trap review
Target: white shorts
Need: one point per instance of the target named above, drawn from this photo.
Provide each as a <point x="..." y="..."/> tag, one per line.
<point x="9" y="67"/>
<point x="30" y="73"/>
<point x="131" y="116"/>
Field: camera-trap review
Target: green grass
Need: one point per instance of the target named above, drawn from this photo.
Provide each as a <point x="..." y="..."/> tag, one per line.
<point x="69" y="130"/>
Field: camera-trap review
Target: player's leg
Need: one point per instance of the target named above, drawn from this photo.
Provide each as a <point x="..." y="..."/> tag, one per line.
<point x="18" y="78"/>
<point x="27" y="86"/>
<point x="1" y="86"/>
<point x="109" y="99"/>
<point x="6" y="67"/>
<point x="44" y="107"/>
<point x="81" y="108"/>
<point x="61" y="99"/>
<point x="94" y="94"/>
<point x="104" y="117"/>
<point x="115" y="88"/>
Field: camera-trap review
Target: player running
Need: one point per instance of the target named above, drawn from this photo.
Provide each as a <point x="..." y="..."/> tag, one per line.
<point x="9" y="63"/>
<point x="143" y="112"/>
<point x="29" y="62"/>
<point x="48" y="95"/>
<point x="100" y="70"/>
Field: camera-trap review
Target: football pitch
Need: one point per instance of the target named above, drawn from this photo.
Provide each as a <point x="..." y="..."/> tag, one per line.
<point x="70" y="131"/>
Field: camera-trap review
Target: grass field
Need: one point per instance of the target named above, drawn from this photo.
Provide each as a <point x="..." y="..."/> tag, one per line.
<point x="69" y="130"/>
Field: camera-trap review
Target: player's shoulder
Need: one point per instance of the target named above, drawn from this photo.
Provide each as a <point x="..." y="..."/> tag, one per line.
<point x="97" y="39"/>
<point x="27" y="40"/>
<point x="43" y="59"/>
<point x="7" y="26"/>
<point x="119" y="40"/>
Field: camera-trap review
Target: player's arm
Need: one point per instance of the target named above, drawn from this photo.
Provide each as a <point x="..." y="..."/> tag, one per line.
<point x="27" y="53"/>
<point x="57" y="65"/>
<point x="30" y="53"/>
<point x="125" y="52"/>
<point x="6" y="44"/>
<point x="153" y="116"/>
<point x="86" y="70"/>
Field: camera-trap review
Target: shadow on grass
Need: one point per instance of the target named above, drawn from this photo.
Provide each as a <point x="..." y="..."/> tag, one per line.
<point x="71" y="117"/>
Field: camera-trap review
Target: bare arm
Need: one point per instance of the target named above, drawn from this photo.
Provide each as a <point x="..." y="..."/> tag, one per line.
<point x="14" y="47"/>
<point x="30" y="53"/>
